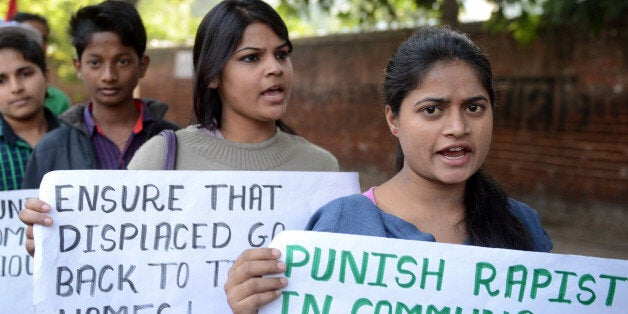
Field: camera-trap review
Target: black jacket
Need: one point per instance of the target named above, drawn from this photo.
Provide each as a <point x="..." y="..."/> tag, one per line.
<point x="69" y="146"/>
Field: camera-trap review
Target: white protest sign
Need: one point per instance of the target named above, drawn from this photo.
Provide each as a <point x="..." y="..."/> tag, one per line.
<point x="16" y="266"/>
<point x="163" y="241"/>
<point x="338" y="273"/>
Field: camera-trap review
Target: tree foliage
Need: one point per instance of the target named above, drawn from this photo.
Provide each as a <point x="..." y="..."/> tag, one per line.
<point x="57" y="12"/>
<point x="175" y="21"/>
<point x="523" y="18"/>
<point x="360" y="15"/>
<point x="536" y="15"/>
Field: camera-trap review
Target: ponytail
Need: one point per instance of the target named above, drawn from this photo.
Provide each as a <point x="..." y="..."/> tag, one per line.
<point x="489" y="221"/>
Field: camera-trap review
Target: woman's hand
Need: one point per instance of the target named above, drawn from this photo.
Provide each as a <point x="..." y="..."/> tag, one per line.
<point x="34" y="213"/>
<point x="246" y="290"/>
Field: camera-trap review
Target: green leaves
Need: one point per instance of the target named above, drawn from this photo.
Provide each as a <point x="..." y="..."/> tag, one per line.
<point x="535" y="16"/>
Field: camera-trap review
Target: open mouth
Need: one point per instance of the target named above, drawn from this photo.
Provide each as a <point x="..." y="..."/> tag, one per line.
<point x="454" y="152"/>
<point x="273" y="91"/>
<point x="274" y="94"/>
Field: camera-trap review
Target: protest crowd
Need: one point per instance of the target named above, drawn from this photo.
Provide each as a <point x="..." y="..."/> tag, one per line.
<point x="115" y="209"/>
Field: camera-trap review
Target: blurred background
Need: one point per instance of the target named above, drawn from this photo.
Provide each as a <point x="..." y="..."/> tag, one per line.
<point x="561" y="135"/>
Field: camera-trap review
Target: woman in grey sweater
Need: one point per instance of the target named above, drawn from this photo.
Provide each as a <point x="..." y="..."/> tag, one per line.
<point x="243" y="79"/>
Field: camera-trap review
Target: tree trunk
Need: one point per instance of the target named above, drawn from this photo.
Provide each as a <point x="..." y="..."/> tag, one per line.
<point x="450" y="13"/>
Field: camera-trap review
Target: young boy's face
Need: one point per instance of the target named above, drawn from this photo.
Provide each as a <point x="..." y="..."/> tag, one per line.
<point x="22" y="87"/>
<point x="110" y="70"/>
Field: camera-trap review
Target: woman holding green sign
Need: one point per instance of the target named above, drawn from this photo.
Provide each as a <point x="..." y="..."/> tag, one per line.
<point x="439" y="96"/>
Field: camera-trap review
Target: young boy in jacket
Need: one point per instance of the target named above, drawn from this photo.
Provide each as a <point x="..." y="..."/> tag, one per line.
<point x="110" y="42"/>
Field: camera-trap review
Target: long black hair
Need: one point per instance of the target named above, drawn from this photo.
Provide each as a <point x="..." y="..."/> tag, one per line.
<point x="488" y="220"/>
<point x="217" y="37"/>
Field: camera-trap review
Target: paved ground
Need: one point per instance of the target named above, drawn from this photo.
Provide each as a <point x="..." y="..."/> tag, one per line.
<point x="565" y="242"/>
<point x="583" y="227"/>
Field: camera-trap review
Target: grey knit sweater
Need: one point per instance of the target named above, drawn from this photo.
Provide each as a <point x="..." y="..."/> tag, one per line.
<point x="196" y="150"/>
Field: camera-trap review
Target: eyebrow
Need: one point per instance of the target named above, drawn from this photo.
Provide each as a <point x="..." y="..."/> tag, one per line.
<point x="26" y="67"/>
<point x="427" y="99"/>
<point x="476" y="98"/>
<point x="98" y="55"/>
<point x="19" y="70"/>
<point x="443" y="100"/>
<point x="258" y="49"/>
